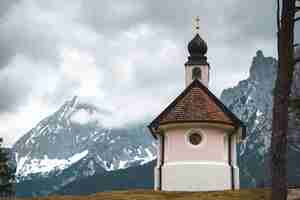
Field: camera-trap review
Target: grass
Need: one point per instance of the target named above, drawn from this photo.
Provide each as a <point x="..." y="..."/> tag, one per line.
<point x="251" y="194"/>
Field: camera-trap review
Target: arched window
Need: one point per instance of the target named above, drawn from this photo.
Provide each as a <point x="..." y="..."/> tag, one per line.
<point x="196" y="73"/>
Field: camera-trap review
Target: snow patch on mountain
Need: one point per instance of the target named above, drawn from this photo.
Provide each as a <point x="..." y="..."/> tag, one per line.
<point x="150" y="156"/>
<point x="72" y="143"/>
<point x="122" y="164"/>
<point x="46" y="165"/>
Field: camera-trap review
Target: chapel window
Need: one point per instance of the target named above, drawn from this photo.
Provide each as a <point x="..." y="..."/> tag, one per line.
<point x="196" y="73"/>
<point x="195" y="138"/>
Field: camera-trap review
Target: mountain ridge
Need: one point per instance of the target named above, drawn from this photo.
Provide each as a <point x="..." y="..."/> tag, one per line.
<point x="61" y="147"/>
<point x="101" y="150"/>
<point x="251" y="100"/>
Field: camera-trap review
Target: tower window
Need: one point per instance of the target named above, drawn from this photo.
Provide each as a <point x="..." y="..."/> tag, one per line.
<point x="196" y="73"/>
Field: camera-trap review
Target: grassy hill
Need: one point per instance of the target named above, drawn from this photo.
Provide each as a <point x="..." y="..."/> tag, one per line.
<point x="244" y="194"/>
<point x="253" y="194"/>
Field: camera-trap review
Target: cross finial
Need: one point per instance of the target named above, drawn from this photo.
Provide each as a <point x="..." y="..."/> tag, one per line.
<point x="196" y="25"/>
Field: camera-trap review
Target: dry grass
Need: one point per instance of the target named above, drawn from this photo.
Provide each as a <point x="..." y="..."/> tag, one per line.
<point x="250" y="194"/>
<point x="294" y="194"/>
<point x="254" y="194"/>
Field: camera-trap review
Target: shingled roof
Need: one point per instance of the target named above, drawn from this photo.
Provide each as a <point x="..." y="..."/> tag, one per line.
<point x="196" y="104"/>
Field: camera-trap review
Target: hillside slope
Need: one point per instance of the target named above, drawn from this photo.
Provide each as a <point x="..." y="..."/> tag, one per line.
<point x="256" y="194"/>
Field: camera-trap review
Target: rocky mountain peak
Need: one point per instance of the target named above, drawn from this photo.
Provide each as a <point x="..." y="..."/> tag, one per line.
<point x="70" y="144"/>
<point x="263" y="68"/>
<point x="252" y="101"/>
<point x="74" y="134"/>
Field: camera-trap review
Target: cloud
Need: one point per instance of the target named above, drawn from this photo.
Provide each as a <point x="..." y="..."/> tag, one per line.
<point x="14" y="87"/>
<point x="230" y="20"/>
<point x="251" y="21"/>
<point x="6" y="6"/>
<point x="11" y="93"/>
<point x="83" y="117"/>
<point x="125" y="55"/>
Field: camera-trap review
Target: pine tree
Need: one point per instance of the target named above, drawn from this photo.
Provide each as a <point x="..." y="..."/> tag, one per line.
<point x="7" y="175"/>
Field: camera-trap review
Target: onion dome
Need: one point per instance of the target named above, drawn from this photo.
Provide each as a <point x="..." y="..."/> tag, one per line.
<point x="197" y="48"/>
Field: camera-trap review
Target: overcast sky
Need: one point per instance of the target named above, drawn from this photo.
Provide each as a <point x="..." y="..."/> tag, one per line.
<point x="125" y="56"/>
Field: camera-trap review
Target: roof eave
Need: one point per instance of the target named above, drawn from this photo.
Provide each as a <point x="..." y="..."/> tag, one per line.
<point x="152" y="131"/>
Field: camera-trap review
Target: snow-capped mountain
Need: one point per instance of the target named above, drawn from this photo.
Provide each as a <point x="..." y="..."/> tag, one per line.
<point x="73" y="135"/>
<point x="251" y="100"/>
<point x="71" y="145"/>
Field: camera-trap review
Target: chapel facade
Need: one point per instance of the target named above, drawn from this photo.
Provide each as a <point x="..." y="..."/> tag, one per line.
<point x="197" y="134"/>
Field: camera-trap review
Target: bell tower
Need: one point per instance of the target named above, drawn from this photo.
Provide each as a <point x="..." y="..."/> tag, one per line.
<point x="197" y="135"/>
<point x="197" y="66"/>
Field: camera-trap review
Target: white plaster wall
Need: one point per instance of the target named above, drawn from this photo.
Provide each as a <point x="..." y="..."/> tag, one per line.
<point x="196" y="177"/>
<point x="226" y="148"/>
<point x="198" y="168"/>
<point x="204" y="75"/>
<point x="177" y="147"/>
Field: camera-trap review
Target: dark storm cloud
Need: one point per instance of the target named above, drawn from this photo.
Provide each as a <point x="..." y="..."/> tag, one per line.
<point x="20" y="36"/>
<point x="115" y="16"/>
<point x="6" y="52"/>
<point x="231" y="23"/>
<point x="26" y="30"/>
<point x="13" y="92"/>
<point x="252" y="20"/>
<point x="240" y="21"/>
<point x="6" y="5"/>
<point x="137" y="46"/>
<point x="110" y="17"/>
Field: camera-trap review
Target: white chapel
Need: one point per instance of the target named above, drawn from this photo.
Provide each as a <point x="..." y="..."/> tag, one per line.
<point x="197" y="134"/>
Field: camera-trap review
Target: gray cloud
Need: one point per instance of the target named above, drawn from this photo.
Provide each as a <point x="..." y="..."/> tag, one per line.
<point x="254" y="20"/>
<point x="6" y="6"/>
<point x="237" y="20"/>
<point x="12" y="93"/>
<point x="6" y="54"/>
<point x="137" y="48"/>
<point x="23" y="32"/>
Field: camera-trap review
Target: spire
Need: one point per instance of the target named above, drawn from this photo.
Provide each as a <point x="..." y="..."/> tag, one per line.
<point x="196" y="25"/>
<point x="197" y="47"/>
<point x="197" y="66"/>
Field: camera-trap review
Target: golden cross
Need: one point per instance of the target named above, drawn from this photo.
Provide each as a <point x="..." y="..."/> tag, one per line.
<point x="196" y="25"/>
